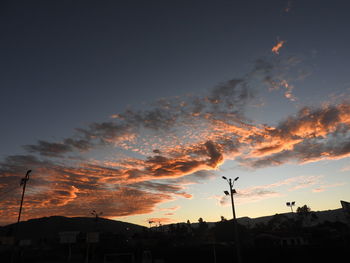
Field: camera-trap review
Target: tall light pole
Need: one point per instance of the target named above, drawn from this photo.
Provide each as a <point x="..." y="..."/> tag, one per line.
<point x="96" y="215"/>
<point x="231" y="193"/>
<point x="24" y="183"/>
<point x="291" y="204"/>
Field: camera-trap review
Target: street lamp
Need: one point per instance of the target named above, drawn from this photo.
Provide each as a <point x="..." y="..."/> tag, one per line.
<point x="291" y="204"/>
<point x="24" y="183"/>
<point x="231" y="193"/>
<point x="96" y="215"/>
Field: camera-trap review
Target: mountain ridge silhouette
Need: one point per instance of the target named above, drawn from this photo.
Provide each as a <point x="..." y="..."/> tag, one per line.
<point x="50" y="227"/>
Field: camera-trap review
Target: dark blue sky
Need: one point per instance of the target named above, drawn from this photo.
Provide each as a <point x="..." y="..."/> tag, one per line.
<point x="66" y="63"/>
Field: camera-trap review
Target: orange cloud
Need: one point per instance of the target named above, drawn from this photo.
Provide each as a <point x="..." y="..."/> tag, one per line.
<point x="324" y="187"/>
<point x="288" y="94"/>
<point x="169" y="214"/>
<point x="73" y="202"/>
<point x="274" y="145"/>
<point x="275" y="49"/>
<point x="310" y="136"/>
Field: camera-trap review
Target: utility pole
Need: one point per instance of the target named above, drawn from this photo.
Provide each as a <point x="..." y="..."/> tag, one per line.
<point x="232" y="192"/>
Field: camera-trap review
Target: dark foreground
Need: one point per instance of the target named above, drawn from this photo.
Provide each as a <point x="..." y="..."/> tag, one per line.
<point x="210" y="253"/>
<point x="281" y="239"/>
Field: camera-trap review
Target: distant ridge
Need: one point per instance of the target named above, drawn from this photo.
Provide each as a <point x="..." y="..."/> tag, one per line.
<point x="333" y="215"/>
<point x="49" y="227"/>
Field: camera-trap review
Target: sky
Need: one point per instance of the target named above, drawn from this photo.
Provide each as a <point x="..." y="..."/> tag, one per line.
<point x="136" y="109"/>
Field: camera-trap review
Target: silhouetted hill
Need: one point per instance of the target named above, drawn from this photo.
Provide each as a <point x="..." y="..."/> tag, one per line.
<point x="49" y="227"/>
<point x="335" y="215"/>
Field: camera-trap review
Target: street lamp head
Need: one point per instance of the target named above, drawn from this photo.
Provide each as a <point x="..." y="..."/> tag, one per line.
<point x="236" y="178"/>
<point x="226" y="193"/>
<point x="293" y="203"/>
<point x="234" y="191"/>
<point x="224" y="178"/>
<point x="288" y="204"/>
<point x="28" y="172"/>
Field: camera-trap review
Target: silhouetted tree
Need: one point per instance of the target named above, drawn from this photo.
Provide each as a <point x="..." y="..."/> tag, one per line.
<point x="202" y="225"/>
<point x="304" y="214"/>
<point x="304" y="210"/>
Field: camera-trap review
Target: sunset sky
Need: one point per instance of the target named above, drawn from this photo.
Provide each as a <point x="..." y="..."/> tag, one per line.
<point x="137" y="108"/>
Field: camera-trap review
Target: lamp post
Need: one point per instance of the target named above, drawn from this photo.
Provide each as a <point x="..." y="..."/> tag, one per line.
<point x="24" y="183"/>
<point x="231" y="193"/>
<point x="91" y="237"/>
<point x="291" y="204"/>
<point x="96" y="215"/>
